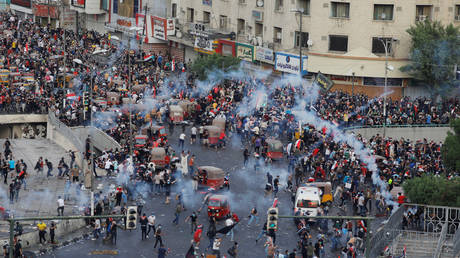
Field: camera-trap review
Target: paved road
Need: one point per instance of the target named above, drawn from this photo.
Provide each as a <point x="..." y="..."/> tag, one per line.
<point x="245" y="192"/>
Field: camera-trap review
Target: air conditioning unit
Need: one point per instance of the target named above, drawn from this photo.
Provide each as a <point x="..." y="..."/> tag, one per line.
<point x="259" y="41"/>
<point x="278" y="35"/>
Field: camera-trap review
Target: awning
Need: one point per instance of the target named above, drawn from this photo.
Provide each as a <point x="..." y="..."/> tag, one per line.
<point x="362" y="66"/>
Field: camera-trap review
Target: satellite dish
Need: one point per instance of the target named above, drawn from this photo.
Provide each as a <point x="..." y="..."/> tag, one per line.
<point x="310" y="42"/>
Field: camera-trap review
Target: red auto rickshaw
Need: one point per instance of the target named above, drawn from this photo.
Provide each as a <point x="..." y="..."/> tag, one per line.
<point x="176" y="113"/>
<point x="214" y="133"/>
<point x="158" y="130"/>
<point x="211" y="177"/>
<point x="275" y="149"/>
<point x="140" y="141"/>
<point x="219" y="122"/>
<point x="218" y="206"/>
<point x="159" y="157"/>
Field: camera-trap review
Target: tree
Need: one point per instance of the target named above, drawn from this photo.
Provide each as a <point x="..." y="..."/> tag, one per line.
<point x="433" y="190"/>
<point x="434" y="54"/>
<point x="210" y="63"/>
<point x="451" y="148"/>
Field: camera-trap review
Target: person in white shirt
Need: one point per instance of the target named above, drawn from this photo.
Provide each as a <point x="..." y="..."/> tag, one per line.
<point x="108" y="167"/>
<point x="229" y="222"/>
<point x="60" y="208"/>
<point x="182" y="140"/>
<point x="193" y="135"/>
<point x="151" y="224"/>
<point x="97" y="229"/>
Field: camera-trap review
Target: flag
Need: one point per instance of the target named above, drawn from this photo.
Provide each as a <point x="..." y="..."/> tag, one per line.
<point x="226" y="229"/>
<point x="173" y="65"/>
<point x="26" y="49"/>
<point x="190" y="253"/>
<point x="71" y="95"/>
<point x="362" y="225"/>
<point x="147" y="58"/>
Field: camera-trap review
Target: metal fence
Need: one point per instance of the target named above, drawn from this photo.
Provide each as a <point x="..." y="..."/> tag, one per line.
<point x="353" y="127"/>
<point x="387" y="233"/>
<point x="456" y="243"/>
<point x="64" y="130"/>
<point x="441" y="240"/>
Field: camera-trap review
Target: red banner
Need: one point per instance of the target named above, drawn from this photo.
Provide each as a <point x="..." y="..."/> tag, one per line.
<point x="45" y="11"/>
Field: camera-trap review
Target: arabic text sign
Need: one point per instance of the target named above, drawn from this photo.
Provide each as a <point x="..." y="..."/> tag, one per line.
<point x="289" y="63"/>
<point x="264" y="54"/>
<point x="204" y="43"/>
<point x="245" y="52"/>
<point x="159" y="28"/>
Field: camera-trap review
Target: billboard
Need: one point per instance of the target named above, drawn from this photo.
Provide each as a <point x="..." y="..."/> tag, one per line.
<point x="23" y="3"/>
<point x="79" y="3"/>
<point x="290" y="63"/>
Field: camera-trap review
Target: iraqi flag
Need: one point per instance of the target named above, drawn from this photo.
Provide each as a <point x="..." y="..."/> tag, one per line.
<point x="71" y="96"/>
<point x="362" y="225"/>
<point x="147" y="58"/>
<point x="173" y="65"/>
<point x="190" y="253"/>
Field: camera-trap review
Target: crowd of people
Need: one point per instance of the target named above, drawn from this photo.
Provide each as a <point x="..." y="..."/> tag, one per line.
<point x="254" y="110"/>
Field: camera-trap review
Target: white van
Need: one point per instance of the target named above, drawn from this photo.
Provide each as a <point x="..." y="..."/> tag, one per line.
<point x="307" y="200"/>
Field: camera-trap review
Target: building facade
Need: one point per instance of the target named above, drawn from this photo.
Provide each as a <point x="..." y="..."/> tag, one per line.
<point x="349" y="41"/>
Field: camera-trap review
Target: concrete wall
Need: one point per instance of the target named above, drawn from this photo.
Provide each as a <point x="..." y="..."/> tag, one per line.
<point x="23" y="119"/>
<point x="437" y="134"/>
<point x="102" y="141"/>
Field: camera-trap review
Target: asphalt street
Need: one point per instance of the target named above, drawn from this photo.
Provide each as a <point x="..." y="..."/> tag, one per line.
<point x="246" y="191"/>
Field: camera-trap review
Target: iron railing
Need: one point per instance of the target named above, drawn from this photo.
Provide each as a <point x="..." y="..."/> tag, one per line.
<point x="387" y="233"/>
<point x="64" y="130"/>
<point x="456" y="243"/>
<point x="441" y="240"/>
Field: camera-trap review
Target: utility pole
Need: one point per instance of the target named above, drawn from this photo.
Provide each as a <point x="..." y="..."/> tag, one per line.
<point x="91" y="142"/>
<point x="65" y="41"/>
<point x="353" y="84"/>
<point x="130" y="102"/>
<point x="385" y="46"/>
<point x="300" y="45"/>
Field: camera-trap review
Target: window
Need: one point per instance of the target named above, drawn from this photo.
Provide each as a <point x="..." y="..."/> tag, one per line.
<point x="240" y="26"/>
<point x="378" y="81"/>
<point x="242" y="1"/>
<point x="190" y="14"/>
<point x="259" y="29"/>
<point x="206" y="17"/>
<point x="457" y="12"/>
<point x="338" y="43"/>
<point x="115" y="6"/>
<point x="277" y="34"/>
<point x="383" y="12"/>
<point x="422" y="12"/>
<point x="300" y="39"/>
<point x="378" y="45"/>
<point x="340" y="10"/>
<point x="304" y="5"/>
<point x="278" y="5"/>
<point x="223" y="22"/>
<point x="174" y="10"/>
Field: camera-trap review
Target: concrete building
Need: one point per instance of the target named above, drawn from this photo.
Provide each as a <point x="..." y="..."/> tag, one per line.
<point x="343" y="39"/>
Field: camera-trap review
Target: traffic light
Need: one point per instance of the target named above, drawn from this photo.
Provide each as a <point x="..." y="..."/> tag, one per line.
<point x="131" y="217"/>
<point x="85" y="98"/>
<point x="272" y="219"/>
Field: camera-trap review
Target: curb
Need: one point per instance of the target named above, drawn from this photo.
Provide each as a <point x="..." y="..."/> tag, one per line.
<point x="50" y="249"/>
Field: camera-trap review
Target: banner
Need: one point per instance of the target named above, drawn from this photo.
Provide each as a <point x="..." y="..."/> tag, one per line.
<point x="204" y="44"/>
<point x="159" y="28"/>
<point x="23" y="3"/>
<point x="245" y="52"/>
<point x="264" y="54"/>
<point x="290" y="63"/>
<point x="45" y="11"/>
<point x="323" y="82"/>
<point x="171" y="27"/>
<point x="79" y="3"/>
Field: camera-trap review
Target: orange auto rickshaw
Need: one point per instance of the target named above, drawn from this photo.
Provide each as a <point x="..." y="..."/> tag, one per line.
<point x="218" y="206"/>
<point x="275" y="149"/>
<point x="214" y="133"/>
<point x="159" y="157"/>
<point x="211" y="177"/>
<point x="219" y="122"/>
<point x="176" y="113"/>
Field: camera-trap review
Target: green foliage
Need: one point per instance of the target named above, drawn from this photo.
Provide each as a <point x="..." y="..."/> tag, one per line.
<point x="434" y="53"/>
<point x="433" y="190"/>
<point x="207" y="63"/>
<point x="451" y="148"/>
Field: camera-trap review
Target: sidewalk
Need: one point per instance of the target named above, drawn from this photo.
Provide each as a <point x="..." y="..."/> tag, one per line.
<point x="40" y="198"/>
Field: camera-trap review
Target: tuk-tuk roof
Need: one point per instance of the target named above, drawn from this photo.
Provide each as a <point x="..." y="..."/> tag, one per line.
<point x="158" y="151"/>
<point x="157" y="127"/>
<point x="140" y="136"/>
<point x="275" y="143"/>
<point x="218" y="196"/>
<point x="319" y="184"/>
<point x="176" y="108"/>
<point x="212" y="128"/>
<point x="213" y="172"/>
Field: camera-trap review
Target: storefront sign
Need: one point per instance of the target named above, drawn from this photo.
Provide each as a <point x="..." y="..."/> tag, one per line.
<point x="264" y="54"/>
<point x="45" y="11"/>
<point x="207" y="2"/>
<point x="23" y="3"/>
<point x="289" y="63"/>
<point x="245" y="52"/>
<point x="204" y="44"/>
<point x="79" y="3"/>
<point x="227" y="50"/>
<point x="324" y="83"/>
<point x="171" y="27"/>
<point x="159" y="28"/>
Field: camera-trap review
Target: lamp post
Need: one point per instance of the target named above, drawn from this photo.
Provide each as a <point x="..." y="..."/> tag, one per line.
<point x="385" y="46"/>
<point x="300" y="12"/>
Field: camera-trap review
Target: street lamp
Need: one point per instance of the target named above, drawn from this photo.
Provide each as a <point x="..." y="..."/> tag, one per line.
<point x="385" y="43"/>
<point x="78" y="61"/>
<point x="300" y="12"/>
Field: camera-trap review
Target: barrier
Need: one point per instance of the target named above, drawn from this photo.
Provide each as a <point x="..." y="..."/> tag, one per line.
<point x="101" y="140"/>
<point x="435" y="133"/>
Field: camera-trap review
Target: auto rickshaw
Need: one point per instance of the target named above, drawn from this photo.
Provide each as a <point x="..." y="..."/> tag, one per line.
<point x="218" y="206"/>
<point x="140" y="141"/>
<point x="158" y="130"/>
<point x="214" y="133"/>
<point x="159" y="157"/>
<point x="211" y="177"/>
<point x="219" y="122"/>
<point x="187" y="106"/>
<point x="113" y="98"/>
<point x="176" y="113"/>
<point x="139" y="87"/>
<point x="275" y="149"/>
<point x="325" y="191"/>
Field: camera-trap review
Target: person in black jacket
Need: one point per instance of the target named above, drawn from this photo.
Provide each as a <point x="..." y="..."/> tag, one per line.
<point x="143" y="221"/>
